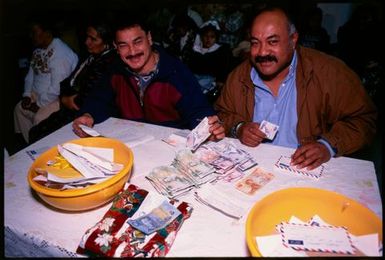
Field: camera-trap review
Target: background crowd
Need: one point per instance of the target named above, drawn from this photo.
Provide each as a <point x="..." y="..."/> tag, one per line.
<point x="210" y="38"/>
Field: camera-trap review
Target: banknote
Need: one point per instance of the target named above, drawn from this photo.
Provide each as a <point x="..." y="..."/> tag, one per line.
<point x="169" y="180"/>
<point x="247" y="164"/>
<point x="156" y="219"/>
<point x="251" y="183"/>
<point x="269" y="129"/>
<point x="198" y="135"/>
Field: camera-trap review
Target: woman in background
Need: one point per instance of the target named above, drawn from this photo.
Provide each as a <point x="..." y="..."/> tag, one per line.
<point x="75" y="88"/>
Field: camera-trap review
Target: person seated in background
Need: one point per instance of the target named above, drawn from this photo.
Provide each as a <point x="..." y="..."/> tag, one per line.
<point x="319" y="103"/>
<point x="209" y="61"/>
<point x="230" y="17"/>
<point x="242" y="51"/>
<point x="75" y="88"/>
<point x="52" y="61"/>
<point x="311" y="32"/>
<point x="181" y="36"/>
<point x="366" y="58"/>
<point x="357" y="52"/>
<point x="147" y="84"/>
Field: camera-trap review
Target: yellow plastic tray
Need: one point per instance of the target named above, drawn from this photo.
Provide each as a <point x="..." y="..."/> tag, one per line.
<point x="91" y="196"/>
<point x="304" y="203"/>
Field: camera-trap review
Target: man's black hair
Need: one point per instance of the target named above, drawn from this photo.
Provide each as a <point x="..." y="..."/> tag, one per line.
<point x="281" y="7"/>
<point x="130" y="21"/>
<point x="46" y="23"/>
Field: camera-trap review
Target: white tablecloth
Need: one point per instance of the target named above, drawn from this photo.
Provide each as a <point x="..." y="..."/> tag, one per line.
<point x="34" y="229"/>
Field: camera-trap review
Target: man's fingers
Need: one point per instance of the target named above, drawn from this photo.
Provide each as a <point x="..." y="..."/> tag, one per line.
<point x="315" y="164"/>
<point x="310" y="156"/>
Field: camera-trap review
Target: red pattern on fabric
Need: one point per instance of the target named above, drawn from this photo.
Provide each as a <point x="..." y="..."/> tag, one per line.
<point x="124" y="206"/>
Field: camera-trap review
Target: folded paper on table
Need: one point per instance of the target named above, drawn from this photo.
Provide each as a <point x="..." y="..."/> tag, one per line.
<point x="316" y="238"/>
<point x="317" y="233"/>
<point x="131" y="139"/>
<point x="283" y="164"/>
<point x="179" y="138"/>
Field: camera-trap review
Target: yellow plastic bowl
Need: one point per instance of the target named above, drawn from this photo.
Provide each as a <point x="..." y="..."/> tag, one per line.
<point x="91" y="196"/>
<point x="304" y="203"/>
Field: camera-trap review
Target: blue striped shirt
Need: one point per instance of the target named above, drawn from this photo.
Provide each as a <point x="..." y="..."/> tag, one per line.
<point x="280" y="110"/>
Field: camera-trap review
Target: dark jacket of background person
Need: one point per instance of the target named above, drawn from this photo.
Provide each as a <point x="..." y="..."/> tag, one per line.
<point x="85" y="80"/>
<point x="217" y="63"/>
<point x="88" y="77"/>
<point x="183" y="30"/>
<point x="359" y="41"/>
<point x="331" y="102"/>
<point x="173" y="98"/>
<point x="312" y="34"/>
<point x="361" y="46"/>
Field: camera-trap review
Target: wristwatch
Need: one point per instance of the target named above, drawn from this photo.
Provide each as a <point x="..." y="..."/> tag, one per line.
<point x="235" y="128"/>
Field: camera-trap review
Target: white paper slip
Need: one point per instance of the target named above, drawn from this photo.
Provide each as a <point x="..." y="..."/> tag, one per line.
<point x="295" y="220"/>
<point x="316" y="238"/>
<point x="220" y="200"/>
<point x="271" y="246"/>
<point x="151" y="201"/>
<point x="367" y="244"/>
<point x="317" y="221"/>
<point x="90" y="131"/>
<point x="93" y="158"/>
<point x="105" y="153"/>
<point x="269" y="129"/>
<point x="178" y="138"/>
<point x="80" y="164"/>
<point x="55" y="178"/>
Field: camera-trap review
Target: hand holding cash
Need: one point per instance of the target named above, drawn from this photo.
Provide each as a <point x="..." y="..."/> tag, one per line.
<point x="198" y="135"/>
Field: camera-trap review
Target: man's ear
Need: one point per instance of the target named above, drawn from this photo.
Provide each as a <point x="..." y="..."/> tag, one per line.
<point x="149" y="37"/>
<point x="294" y="39"/>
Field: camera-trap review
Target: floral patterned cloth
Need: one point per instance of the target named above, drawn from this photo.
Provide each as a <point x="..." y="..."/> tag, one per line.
<point x="112" y="236"/>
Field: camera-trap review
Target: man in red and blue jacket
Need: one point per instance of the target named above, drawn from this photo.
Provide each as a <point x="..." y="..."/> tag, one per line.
<point x="147" y="84"/>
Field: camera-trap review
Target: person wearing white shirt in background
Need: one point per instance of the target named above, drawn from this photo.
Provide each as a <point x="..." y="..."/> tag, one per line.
<point x="52" y="61"/>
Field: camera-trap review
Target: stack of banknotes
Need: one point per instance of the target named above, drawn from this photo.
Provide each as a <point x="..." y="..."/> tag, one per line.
<point x="210" y="162"/>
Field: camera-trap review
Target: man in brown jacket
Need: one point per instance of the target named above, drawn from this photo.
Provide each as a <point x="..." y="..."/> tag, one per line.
<point x="318" y="103"/>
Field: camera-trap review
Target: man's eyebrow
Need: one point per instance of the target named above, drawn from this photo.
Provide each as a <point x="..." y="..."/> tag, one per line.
<point x="134" y="40"/>
<point x="137" y="38"/>
<point x="273" y="36"/>
<point x="121" y="42"/>
<point x="92" y="37"/>
<point x="268" y="38"/>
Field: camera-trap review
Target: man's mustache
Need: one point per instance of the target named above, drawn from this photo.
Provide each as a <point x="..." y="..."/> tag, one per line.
<point x="259" y="59"/>
<point x="134" y="56"/>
